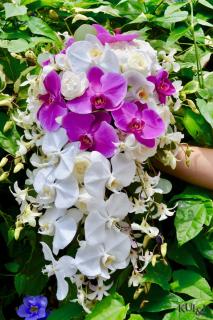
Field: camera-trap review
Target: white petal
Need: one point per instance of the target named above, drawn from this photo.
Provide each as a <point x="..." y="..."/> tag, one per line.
<point x="47" y="252"/>
<point x="67" y="192"/>
<point x="109" y="61"/>
<point x="78" y="56"/>
<point x="95" y="228"/>
<point x="123" y="169"/>
<point x="46" y="221"/>
<point x="118" y="205"/>
<point x="97" y="175"/>
<point x="62" y="286"/>
<point x="67" y="158"/>
<point x="43" y="177"/>
<point x="76" y="214"/>
<point x="118" y="244"/>
<point x="88" y="260"/>
<point x="65" y="230"/>
<point x="67" y="266"/>
<point x="54" y="141"/>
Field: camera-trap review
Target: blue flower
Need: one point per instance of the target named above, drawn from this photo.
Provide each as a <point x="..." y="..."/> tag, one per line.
<point x="33" y="308"/>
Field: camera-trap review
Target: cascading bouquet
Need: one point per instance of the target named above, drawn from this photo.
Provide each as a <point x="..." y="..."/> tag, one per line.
<point x="97" y="112"/>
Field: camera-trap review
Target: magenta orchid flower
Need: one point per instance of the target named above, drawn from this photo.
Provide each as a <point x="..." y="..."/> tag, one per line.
<point x="53" y="104"/>
<point x="163" y="85"/>
<point x="93" y="131"/>
<point x="135" y="118"/>
<point x="104" y="36"/>
<point x="106" y="91"/>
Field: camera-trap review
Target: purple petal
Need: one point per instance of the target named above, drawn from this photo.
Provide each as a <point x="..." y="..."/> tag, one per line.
<point x="102" y="116"/>
<point x="154" y="125"/>
<point x="77" y="125"/>
<point x="104" y="139"/>
<point x="125" y="37"/>
<point x="47" y="115"/>
<point x="81" y="105"/>
<point x="105" y="37"/>
<point x="114" y="86"/>
<point x="22" y="311"/>
<point x="124" y="115"/>
<point x="100" y="29"/>
<point x="52" y="83"/>
<point x="94" y="76"/>
<point x="150" y="143"/>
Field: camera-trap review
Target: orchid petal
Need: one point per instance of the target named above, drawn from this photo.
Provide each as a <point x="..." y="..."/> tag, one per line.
<point x="123" y="169"/>
<point x="95" y="228"/>
<point x="65" y="230"/>
<point x="54" y="141"/>
<point x="67" y="192"/>
<point x="118" y="206"/>
<point x="52" y="83"/>
<point x="105" y="139"/>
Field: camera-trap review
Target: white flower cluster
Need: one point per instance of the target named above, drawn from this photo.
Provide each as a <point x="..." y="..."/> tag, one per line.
<point x="100" y="207"/>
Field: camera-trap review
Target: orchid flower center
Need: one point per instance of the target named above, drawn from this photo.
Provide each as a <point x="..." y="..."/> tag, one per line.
<point x="164" y="85"/>
<point x="50" y="99"/>
<point x="142" y="94"/>
<point x="98" y="101"/>
<point x="34" y="309"/>
<point x="136" y="125"/>
<point x="86" y="141"/>
<point x="95" y="53"/>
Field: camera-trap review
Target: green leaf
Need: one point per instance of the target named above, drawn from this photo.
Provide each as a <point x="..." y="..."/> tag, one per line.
<point x="67" y="312"/>
<point x="12" y="266"/>
<point x="38" y="26"/>
<point x="198" y="128"/>
<point x="110" y="308"/>
<point x="189" y="220"/>
<point x="206" y="109"/>
<point x="177" y="33"/>
<point x="192" y="284"/>
<point x="12" y="10"/>
<point x="173" y="8"/>
<point x="191" y="87"/>
<point x="8" y="140"/>
<point x="18" y="45"/>
<point x="30" y="285"/>
<point x="177" y="315"/>
<point x="172" y="18"/>
<point x="83" y="30"/>
<point x="136" y="317"/>
<point x="184" y="255"/>
<point x="204" y="243"/>
<point x="206" y="4"/>
<point x="159" y="274"/>
<point x="165" y="302"/>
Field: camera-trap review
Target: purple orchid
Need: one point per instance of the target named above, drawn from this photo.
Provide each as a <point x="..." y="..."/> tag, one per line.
<point x="33" y="308"/>
<point x="144" y="123"/>
<point x="104" y="36"/>
<point x="93" y="131"/>
<point x="163" y="85"/>
<point x="106" y="91"/>
<point x="53" y="104"/>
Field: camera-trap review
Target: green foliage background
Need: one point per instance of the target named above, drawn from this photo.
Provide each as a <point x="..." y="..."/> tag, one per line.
<point x="29" y="27"/>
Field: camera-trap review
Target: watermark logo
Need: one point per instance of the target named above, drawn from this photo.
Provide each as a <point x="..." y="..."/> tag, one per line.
<point x="191" y="307"/>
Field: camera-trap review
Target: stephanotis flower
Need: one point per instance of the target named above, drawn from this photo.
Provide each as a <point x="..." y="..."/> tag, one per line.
<point x="163" y="85"/>
<point x="33" y="308"/>
<point x="105" y="37"/>
<point x="106" y="91"/>
<point x="93" y="131"/>
<point x="53" y="104"/>
<point x="144" y="123"/>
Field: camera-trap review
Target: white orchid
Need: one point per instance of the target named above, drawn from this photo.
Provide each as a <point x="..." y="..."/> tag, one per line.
<point x="85" y="54"/>
<point x="60" y="155"/>
<point x="163" y="212"/>
<point x="100" y="290"/>
<point x="105" y="216"/>
<point x="63" y="268"/>
<point x="99" y="175"/>
<point x="61" y="224"/>
<point x="63" y="193"/>
<point x="95" y="260"/>
<point x="139" y="88"/>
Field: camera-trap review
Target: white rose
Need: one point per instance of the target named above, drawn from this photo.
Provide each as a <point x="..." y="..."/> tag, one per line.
<point x="73" y="85"/>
